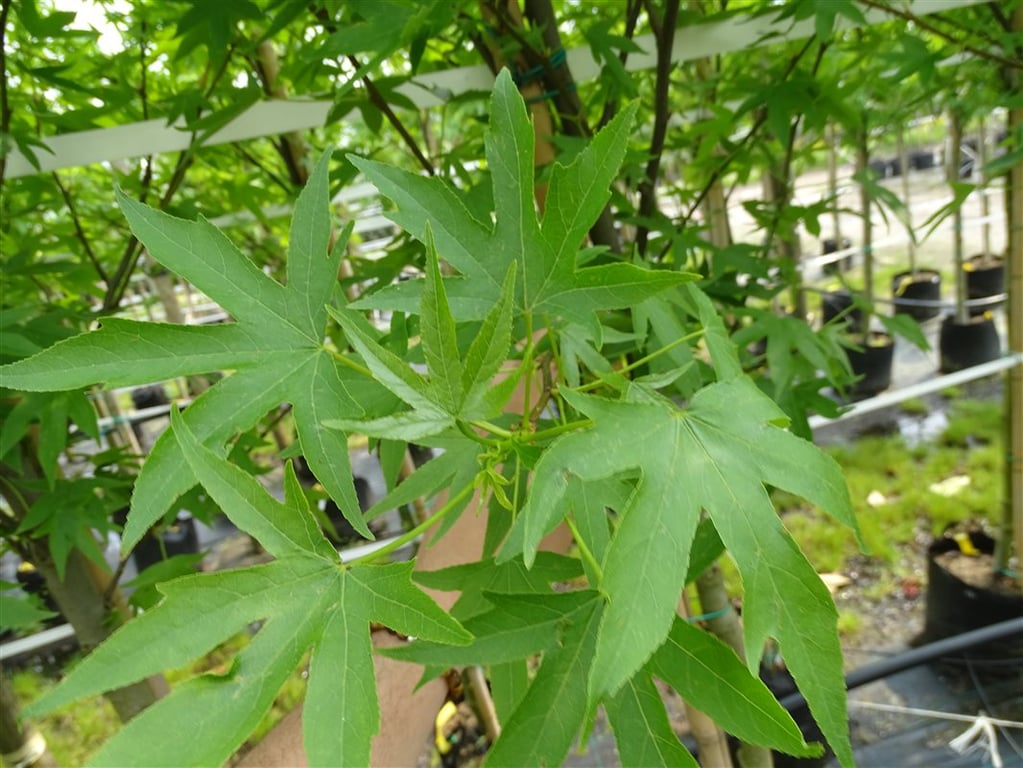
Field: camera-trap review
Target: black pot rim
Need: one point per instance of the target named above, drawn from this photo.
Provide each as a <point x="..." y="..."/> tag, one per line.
<point x="972" y="322"/>
<point x="874" y="335"/>
<point x="902" y="280"/>
<point x="997" y="257"/>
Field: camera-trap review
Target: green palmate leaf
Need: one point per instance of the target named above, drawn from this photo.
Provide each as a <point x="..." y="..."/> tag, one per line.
<point x="16" y="613"/>
<point x="275" y="351"/>
<point x="541" y="729"/>
<point x="642" y="731"/>
<point x="52" y="411"/>
<point x="550" y="281"/>
<point x="488" y="351"/>
<point x="389" y="369"/>
<point x="475" y="580"/>
<point x="716" y="455"/>
<point x="440" y="346"/>
<point x="281" y="529"/>
<point x="519" y="626"/>
<point x="452" y="390"/>
<point x="436" y="474"/>
<point x="708" y="675"/>
<point x="48" y="516"/>
<point x="199" y="612"/>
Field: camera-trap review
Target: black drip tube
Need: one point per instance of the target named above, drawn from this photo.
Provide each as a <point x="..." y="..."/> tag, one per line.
<point x="912" y="658"/>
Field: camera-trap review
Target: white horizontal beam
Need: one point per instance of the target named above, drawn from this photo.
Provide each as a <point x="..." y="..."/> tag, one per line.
<point x="274" y="117"/>
<point x="926" y="387"/>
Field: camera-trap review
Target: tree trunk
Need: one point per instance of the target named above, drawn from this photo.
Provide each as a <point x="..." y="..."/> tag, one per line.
<point x="724" y="622"/>
<point x="85" y="596"/>
<point x="81" y="597"/>
<point x="20" y="745"/>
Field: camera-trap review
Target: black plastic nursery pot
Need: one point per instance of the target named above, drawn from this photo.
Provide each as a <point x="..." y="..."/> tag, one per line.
<point x="955" y="605"/>
<point x="985" y="276"/>
<point x="346" y="533"/>
<point x="834" y="303"/>
<point x="886" y="168"/>
<point x="182" y="538"/>
<point x="832" y="245"/>
<point x="872" y="362"/>
<point x="921" y="159"/>
<point x="921" y="285"/>
<point x="964" y="345"/>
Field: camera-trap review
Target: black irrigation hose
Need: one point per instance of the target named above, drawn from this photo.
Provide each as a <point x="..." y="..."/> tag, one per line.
<point x="912" y="658"/>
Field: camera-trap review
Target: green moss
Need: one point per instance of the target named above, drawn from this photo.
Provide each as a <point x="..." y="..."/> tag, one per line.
<point x="75" y="732"/>
<point x="973" y="421"/>
<point x="915" y="406"/>
<point x="903" y="477"/>
<point x="850" y="623"/>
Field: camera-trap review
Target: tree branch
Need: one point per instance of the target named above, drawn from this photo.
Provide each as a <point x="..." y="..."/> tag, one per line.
<point x="648" y="187"/>
<point x="251" y="158"/>
<point x="758" y="123"/>
<point x="133" y="250"/>
<point x="79" y="231"/>
<point x="377" y="99"/>
<point x="631" y="20"/>
<point x="558" y="80"/>
<point x="926" y="25"/>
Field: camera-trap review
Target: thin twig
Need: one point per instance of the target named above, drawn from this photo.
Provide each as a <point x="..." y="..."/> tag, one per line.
<point x="262" y="166"/>
<point x="996" y="10"/>
<point x="631" y="20"/>
<point x="377" y="99"/>
<point x="79" y="231"/>
<point x="5" y="107"/>
<point x="785" y="170"/>
<point x="926" y="25"/>
<point x="723" y="166"/>
<point x="976" y="32"/>
<point x="132" y="250"/>
<point x="648" y="187"/>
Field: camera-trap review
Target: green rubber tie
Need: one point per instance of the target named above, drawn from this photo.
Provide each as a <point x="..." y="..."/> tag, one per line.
<point x="709" y="616"/>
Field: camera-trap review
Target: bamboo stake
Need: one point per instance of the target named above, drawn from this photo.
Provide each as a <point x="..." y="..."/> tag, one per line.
<point x="900" y="138"/>
<point x="1012" y="527"/>
<point x="836" y="226"/>
<point x="862" y="161"/>
<point x="952" y="167"/>
<point x="710" y="740"/>
<point x="985" y="202"/>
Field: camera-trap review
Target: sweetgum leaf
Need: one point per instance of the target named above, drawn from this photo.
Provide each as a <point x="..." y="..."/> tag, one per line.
<point x="440" y="345"/>
<point x="642" y="731"/>
<point x="475" y="580"/>
<point x="708" y="675"/>
<point x="550" y="281"/>
<point x="451" y="390"/>
<point x="542" y="727"/>
<point x="716" y="455"/>
<point x="517" y="627"/>
<point x="16" y="613"/>
<point x="275" y="350"/>
<point x="306" y="600"/>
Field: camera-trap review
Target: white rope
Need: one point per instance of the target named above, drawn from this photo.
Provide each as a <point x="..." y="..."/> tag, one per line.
<point x="980" y="735"/>
<point x="934" y="713"/>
